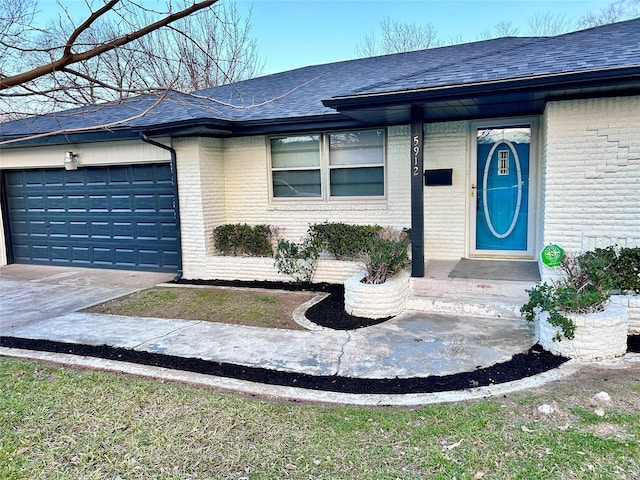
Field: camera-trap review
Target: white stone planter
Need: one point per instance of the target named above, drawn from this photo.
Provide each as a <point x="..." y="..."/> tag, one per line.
<point x="387" y="299"/>
<point x="220" y="267"/>
<point x="632" y="302"/>
<point x="598" y="335"/>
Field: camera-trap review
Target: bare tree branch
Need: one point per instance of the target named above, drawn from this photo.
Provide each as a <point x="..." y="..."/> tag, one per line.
<point x="207" y="48"/>
<point x="614" y="12"/>
<point x="398" y="37"/>
<point x="69" y="58"/>
<point x="104" y="126"/>
<point x="548" y="24"/>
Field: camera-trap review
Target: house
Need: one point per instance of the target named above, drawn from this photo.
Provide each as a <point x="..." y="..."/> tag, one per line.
<point x="487" y="150"/>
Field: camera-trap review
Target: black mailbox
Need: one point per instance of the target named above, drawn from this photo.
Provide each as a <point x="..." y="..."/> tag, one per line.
<point x="439" y="177"/>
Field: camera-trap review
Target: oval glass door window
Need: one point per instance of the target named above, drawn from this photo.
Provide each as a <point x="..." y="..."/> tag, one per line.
<point x="500" y="192"/>
<point x="503" y="188"/>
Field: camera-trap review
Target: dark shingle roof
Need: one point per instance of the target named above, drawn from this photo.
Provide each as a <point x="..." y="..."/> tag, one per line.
<point x="304" y="93"/>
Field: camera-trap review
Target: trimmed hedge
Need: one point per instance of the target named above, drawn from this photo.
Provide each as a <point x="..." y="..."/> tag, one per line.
<point x="242" y="239"/>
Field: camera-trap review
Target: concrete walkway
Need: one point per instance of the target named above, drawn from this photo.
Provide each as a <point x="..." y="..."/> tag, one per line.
<point x="44" y="302"/>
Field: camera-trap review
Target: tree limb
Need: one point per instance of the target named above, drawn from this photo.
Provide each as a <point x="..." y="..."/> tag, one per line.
<point x="68" y="58"/>
<point x="104" y="126"/>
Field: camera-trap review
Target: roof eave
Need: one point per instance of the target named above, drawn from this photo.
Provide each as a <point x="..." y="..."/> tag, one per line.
<point x="568" y="81"/>
<point x="66" y="138"/>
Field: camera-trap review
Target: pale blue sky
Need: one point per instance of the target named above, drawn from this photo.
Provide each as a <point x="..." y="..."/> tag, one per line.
<point x="296" y="33"/>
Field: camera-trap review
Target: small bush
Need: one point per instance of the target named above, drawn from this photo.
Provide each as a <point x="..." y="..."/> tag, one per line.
<point x="613" y="268"/>
<point x="242" y="239"/>
<point x="583" y="287"/>
<point x="627" y="276"/>
<point x="343" y="241"/>
<point x="382" y="250"/>
<point x="382" y="258"/>
<point x="298" y="260"/>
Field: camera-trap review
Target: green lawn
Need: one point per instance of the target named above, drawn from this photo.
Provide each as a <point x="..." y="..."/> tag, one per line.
<point x="63" y="423"/>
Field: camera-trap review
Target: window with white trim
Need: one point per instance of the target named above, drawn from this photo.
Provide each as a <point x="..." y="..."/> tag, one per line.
<point x="328" y="165"/>
<point x="503" y="162"/>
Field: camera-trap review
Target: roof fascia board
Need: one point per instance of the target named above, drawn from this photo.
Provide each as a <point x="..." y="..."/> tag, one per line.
<point x="304" y="124"/>
<point x="70" y="138"/>
<point x="184" y="125"/>
<point x="200" y="127"/>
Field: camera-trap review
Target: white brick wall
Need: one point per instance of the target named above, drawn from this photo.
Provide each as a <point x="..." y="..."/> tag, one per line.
<point x="264" y="269"/>
<point x="445" y="207"/>
<point x="194" y="171"/>
<point x="227" y="181"/>
<point x="247" y="191"/>
<point x="592" y="172"/>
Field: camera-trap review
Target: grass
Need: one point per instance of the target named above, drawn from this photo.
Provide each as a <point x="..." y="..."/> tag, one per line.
<point x="65" y="423"/>
<point x="271" y="309"/>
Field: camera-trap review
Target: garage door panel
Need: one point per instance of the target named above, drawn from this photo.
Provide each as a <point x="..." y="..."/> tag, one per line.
<point x="119" y="217"/>
<point x="81" y="255"/>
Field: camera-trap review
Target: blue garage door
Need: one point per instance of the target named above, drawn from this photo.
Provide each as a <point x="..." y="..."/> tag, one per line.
<point x="104" y="217"/>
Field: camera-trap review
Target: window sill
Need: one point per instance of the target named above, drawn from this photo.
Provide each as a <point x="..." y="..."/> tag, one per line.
<point x="320" y="205"/>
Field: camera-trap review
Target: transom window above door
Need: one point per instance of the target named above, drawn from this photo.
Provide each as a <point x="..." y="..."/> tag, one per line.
<point x="328" y="165"/>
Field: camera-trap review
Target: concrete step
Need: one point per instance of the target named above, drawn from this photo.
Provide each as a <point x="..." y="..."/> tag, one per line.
<point x="455" y="296"/>
<point x="469" y="307"/>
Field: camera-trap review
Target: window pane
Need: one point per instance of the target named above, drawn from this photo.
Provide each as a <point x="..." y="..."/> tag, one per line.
<point x="514" y="135"/>
<point x="356" y="148"/>
<point x="300" y="151"/>
<point x="357" y="182"/>
<point x="296" y="183"/>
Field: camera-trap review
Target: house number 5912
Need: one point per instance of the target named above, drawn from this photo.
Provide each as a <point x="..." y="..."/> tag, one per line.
<point x="416" y="154"/>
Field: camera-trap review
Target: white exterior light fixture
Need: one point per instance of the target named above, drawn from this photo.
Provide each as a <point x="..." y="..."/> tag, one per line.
<point x="70" y="161"/>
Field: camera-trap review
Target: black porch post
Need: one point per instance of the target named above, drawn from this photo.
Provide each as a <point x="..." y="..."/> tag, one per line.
<point x="417" y="192"/>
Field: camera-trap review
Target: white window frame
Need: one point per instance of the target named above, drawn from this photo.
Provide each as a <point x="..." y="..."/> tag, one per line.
<point x="325" y="168"/>
<point x="503" y="162"/>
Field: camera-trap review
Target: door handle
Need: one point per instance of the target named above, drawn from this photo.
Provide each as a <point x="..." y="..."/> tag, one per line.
<point x="473" y="189"/>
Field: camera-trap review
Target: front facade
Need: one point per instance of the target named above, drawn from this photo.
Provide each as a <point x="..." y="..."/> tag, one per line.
<point x="521" y="168"/>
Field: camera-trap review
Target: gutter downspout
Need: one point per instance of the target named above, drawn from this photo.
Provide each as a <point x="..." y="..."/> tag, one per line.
<point x="174" y="169"/>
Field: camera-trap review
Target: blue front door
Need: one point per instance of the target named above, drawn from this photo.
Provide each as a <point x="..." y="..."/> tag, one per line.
<point x="502" y="198"/>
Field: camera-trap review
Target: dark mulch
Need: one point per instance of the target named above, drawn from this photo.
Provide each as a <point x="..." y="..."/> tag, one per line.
<point x="329" y="313"/>
<point x="521" y="365"/>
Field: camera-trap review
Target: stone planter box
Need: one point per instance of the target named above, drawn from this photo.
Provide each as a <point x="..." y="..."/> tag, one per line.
<point x="387" y="299"/>
<point x="597" y="336"/>
<point x="632" y="302"/>
<point x="220" y="267"/>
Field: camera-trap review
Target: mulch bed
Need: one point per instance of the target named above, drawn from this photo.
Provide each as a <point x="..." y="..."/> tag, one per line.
<point x="521" y="365"/>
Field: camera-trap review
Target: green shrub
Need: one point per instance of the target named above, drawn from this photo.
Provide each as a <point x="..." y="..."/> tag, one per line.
<point x="343" y="241"/>
<point x="242" y="239"/>
<point x="613" y="268"/>
<point x="298" y="260"/>
<point x="382" y="250"/>
<point x="582" y="287"/>
<point x="382" y="258"/>
<point x="627" y="272"/>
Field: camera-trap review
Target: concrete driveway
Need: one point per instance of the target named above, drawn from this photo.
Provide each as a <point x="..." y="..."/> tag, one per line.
<point x="30" y="293"/>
